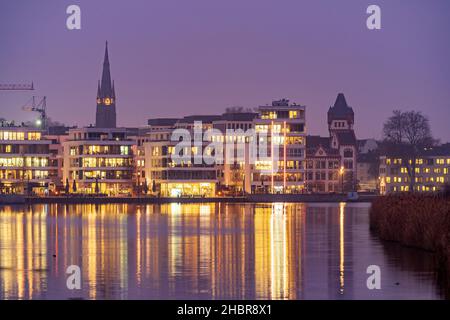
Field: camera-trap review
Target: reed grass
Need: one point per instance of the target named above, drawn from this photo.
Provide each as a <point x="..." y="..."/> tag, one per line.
<point x="416" y="220"/>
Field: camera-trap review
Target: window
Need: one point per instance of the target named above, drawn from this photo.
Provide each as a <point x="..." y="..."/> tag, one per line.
<point x="124" y="150"/>
<point x="348" y="153"/>
<point x="268" y="115"/>
<point x="348" y="164"/>
<point x="293" y="114"/>
<point x="34" y="135"/>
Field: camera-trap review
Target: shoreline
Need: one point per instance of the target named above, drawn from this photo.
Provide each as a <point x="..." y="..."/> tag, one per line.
<point x="260" y="198"/>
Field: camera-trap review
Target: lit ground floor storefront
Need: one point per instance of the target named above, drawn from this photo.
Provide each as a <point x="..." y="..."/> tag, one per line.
<point x="110" y="188"/>
<point x="188" y="189"/>
<point x="268" y="188"/>
<point x="28" y="187"/>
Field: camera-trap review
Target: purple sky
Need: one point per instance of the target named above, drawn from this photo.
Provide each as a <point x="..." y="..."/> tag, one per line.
<point x="172" y="58"/>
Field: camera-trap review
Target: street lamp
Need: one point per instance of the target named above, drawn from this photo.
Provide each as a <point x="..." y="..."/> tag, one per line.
<point x="341" y="173"/>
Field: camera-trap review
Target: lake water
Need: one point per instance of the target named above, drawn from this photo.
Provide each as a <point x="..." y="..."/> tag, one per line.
<point x="204" y="251"/>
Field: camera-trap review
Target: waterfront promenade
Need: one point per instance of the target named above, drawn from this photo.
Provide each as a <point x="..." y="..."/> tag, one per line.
<point x="261" y="198"/>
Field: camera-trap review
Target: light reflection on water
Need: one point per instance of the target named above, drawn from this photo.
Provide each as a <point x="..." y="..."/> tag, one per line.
<point x="204" y="251"/>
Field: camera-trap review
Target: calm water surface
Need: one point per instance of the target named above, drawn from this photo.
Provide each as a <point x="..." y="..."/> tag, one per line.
<point x="204" y="251"/>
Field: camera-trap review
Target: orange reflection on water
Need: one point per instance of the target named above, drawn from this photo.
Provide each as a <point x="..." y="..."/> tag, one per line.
<point x="23" y="243"/>
<point x="176" y="251"/>
<point x="341" y="246"/>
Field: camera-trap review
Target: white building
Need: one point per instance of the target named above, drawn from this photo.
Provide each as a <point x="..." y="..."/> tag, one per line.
<point x="284" y="124"/>
<point x="98" y="160"/>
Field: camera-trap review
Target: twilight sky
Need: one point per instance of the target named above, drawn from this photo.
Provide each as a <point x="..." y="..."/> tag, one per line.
<point x="172" y="58"/>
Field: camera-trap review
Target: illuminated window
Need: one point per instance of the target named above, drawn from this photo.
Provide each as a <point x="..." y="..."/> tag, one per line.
<point x="263" y="165"/>
<point x="269" y="115"/>
<point x="261" y="128"/>
<point x="276" y="128"/>
<point x="156" y="151"/>
<point x="34" y="135"/>
<point x="293" y="114"/>
<point x="124" y="150"/>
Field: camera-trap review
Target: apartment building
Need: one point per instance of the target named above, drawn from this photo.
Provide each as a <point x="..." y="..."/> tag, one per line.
<point x="235" y="171"/>
<point x="24" y="160"/>
<point x="281" y="130"/>
<point x="180" y="173"/>
<point x="431" y="172"/>
<point x="98" y="160"/>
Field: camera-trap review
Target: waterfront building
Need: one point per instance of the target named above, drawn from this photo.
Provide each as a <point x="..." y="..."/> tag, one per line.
<point x="431" y="172"/>
<point x="98" y="160"/>
<point x="188" y="177"/>
<point x="331" y="164"/>
<point x="284" y="125"/>
<point x="323" y="166"/>
<point x="235" y="173"/>
<point x="156" y="129"/>
<point x="24" y="160"/>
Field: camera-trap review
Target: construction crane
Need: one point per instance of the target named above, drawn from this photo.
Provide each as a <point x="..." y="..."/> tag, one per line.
<point x="39" y="107"/>
<point x="16" y="87"/>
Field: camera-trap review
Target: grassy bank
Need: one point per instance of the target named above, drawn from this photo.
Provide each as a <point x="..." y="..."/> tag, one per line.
<point x="416" y="220"/>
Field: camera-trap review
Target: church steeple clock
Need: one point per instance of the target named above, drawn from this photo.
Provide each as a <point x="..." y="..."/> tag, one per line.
<point x="106" y="97"/>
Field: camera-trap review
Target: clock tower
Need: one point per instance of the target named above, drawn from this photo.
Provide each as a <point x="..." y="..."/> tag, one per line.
<point x="106" y="98"/>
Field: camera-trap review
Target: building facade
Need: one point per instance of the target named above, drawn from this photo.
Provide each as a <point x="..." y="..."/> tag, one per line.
<point x="239" y="169"/>
<point x="98" y="160"/>
<point x="324" y="172"/>
<point x="24" y="161"/>
<point x="331" y="164"/>
<point x="235" y="173"/>
<point x="284" y="125"/>
<point x="188" y="176"/>
<point x="431" y="172"/>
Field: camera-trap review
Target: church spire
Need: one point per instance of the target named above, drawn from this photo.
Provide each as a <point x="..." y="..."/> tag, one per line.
<point x="106" y="85"/>
<point x="106" y="97"/>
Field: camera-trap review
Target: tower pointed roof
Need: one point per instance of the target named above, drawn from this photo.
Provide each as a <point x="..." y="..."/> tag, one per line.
<point x="340" y="110"/>
<point x="340" y="103"/>
<point x="106" y="84"/>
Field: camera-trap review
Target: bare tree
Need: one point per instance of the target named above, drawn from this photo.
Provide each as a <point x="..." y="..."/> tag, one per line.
<point x="407" y="134"/>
